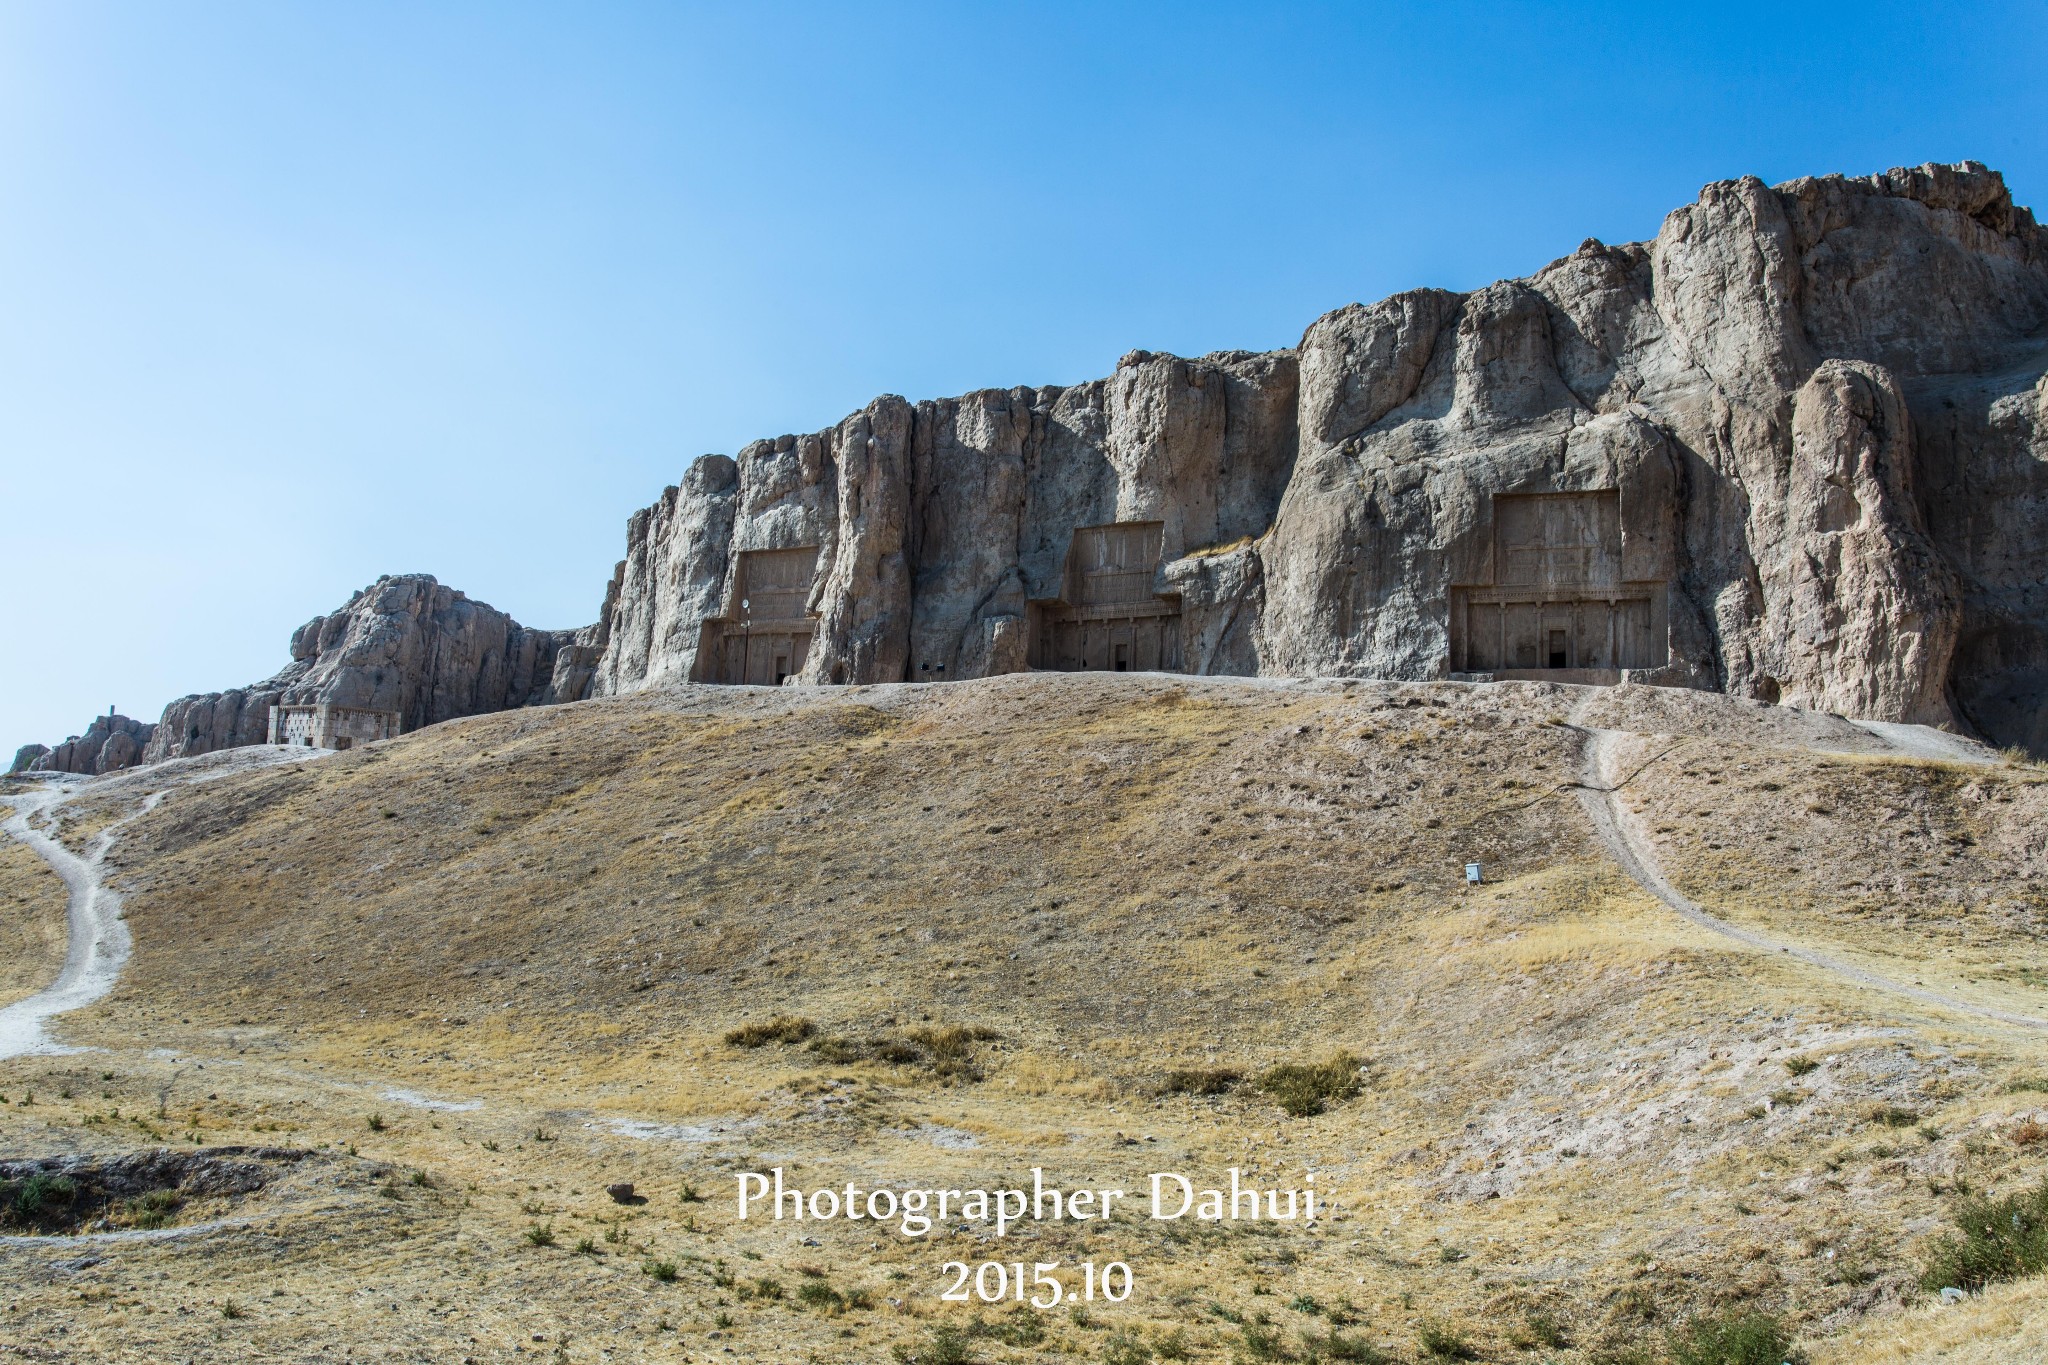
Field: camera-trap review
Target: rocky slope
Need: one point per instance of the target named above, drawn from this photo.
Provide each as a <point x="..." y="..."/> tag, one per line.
<point x="1821" y="404"/>
<point x="507" y="952"/>
<point x="406" y="643"/>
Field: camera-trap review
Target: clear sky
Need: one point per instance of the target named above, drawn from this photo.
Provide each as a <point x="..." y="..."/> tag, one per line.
<point x="292" y="295"/>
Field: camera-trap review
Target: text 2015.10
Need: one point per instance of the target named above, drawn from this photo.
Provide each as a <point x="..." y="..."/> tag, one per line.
<point x="997" y="1281"/>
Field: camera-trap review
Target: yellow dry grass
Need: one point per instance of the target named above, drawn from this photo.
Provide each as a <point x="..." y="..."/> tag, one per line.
<point x="1576" y="1104"/>
<point x="32" y="902"/>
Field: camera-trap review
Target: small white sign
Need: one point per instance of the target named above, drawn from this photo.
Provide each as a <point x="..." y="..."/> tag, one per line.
<point x="1472" y="876"/>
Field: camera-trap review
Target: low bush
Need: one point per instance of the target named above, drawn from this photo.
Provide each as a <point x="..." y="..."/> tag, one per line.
<point x="152" y="1210"/>
<point x="1734" y="1338"/>
<point x="947" y="1052"/>
<point x="1262" y="1343"/>
<point x="944" y="1345"/>
<point x="1022" y="1327"/>
<point x="783" y="1028"/>
<point x="1337" y="1346"/>
<point x="1125" y="1348"/>
<point x="839" y="1051"/>
<point x="1995" y="1239"/>
<point x="30" y="1201"/>
<point x="1442" y="1340"/>
<point x="1201" y="1080"/>
<point x="1541" y="1329"/>
<point x="1304" y="1090"/>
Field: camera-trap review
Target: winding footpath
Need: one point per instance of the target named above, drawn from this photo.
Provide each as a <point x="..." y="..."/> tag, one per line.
<point x="1630" y="848"/>
<point x="98" y="942"/>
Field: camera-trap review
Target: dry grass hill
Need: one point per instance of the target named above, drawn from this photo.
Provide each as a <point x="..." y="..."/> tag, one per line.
<point x="446" y="988"/>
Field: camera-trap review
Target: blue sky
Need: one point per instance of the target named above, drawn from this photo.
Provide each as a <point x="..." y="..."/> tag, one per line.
<point x="293" y="295"/>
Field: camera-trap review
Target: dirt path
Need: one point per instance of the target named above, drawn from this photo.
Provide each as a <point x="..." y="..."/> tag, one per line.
<point x="1599" y="783"/>
<point x="98" y="943"/>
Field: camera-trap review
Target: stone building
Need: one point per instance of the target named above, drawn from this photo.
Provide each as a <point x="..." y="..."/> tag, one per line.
<point x="323" y="725"/>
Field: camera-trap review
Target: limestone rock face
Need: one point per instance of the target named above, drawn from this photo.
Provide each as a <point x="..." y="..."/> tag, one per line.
<point x="1860" y="612"/>
<point x="108" y="745"/>
<point x="938" y="523"/>
<point x="1808" y="419"/>
<point x="406" y="643"/>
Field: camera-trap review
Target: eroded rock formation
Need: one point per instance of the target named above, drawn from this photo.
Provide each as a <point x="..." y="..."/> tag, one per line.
<point x="109" y="744"/>
<point x="406" y="643"/>
<point x="1796" y="443"/>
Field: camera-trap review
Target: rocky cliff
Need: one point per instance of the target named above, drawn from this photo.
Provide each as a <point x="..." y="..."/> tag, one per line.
<point x="406" y="643"/>
<point x="109" y="744"/>
<point x="1816" y="412"/>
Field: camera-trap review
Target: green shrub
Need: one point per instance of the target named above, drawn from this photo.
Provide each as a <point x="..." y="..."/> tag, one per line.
<point x="1304" y="1090"/>
<point x="30" y="1199"/>
<point x="1442" y="1340"/>
<point x="839" y="1051"/>
<point x="541" y="1234"/>
<point x="1023" y="1327"/>
<point x="1262" y="1343"/>
<point x="665" y="1271"/>
<point x="1201" y="1080"/>
<point x="783" y="1028"/>
<point x="1541" y="1329"/>
<point x="818" y="1294"/>
<point x="1892" y="1116"/>
<point x="1336" y="1346"/>
<point x="152" y="1210"/>
<point x="1125" y="1348"/>
<point x="1801" y="1066"/>
<point x="945" y="1345"/>
<point x="1734" y="1338"/>
<point x="1995" y="1239"/>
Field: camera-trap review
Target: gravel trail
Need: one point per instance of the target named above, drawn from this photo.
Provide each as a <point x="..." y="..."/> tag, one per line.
<point x="1630" y="847"/>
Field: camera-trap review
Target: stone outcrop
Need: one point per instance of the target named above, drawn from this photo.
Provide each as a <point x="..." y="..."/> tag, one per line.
<point x="108" y="745"/>
<point x="938" y="523"/>
<point x="407" y="644"/>
<point x="1814" y="414"/>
